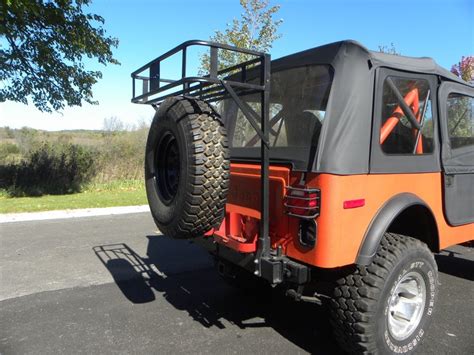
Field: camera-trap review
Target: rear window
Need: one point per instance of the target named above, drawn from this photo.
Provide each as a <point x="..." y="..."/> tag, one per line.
<point x="298" y="101"/>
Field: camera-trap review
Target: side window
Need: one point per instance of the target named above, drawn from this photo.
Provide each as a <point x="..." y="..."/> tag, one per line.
<point x="460" y="120"/>
<point x="399" y="133"/>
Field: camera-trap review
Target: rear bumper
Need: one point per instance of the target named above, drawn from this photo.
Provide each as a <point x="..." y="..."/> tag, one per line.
<point x="274" y="269"/>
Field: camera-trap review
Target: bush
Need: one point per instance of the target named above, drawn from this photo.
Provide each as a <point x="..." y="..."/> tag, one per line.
<point x="9" y="148"/>
<point x="36" y="162"/>
<point x="121" y="156"/>
<point x="61" y="168"/>
<point x="27" y="140"/>
<point x="9" y="153"/>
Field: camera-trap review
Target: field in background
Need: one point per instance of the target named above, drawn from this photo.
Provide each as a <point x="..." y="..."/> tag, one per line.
<point x="118" y="193"/>
<point x="41" y="170"/>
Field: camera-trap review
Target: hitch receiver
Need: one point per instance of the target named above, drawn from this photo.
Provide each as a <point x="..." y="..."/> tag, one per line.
<point x="279" y="269"/>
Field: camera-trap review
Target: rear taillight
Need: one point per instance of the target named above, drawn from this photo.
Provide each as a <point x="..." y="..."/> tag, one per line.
<point x="303" y="202"/>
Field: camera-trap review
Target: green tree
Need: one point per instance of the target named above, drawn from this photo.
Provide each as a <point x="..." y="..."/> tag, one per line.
<point x="465" y="68"/>
<point x="391" y="49"/>
<point x="113" y="125"/>
<point x="43" y="45"/>
<point x="460" y="124"/>
<point x="256" y="29"/>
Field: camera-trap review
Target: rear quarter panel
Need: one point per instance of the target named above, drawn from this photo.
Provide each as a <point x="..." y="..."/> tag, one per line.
<point x="341" y="231"/>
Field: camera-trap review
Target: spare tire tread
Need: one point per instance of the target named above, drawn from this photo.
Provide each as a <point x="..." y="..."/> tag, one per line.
<point x="208" y="172"/>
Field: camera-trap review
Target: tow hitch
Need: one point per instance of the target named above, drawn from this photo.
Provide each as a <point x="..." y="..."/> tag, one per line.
<point x="277" y="269"/>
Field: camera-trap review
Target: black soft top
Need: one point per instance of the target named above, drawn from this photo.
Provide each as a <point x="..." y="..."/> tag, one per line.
<point x="328" y="53"/>
<point x="344" y="143"/>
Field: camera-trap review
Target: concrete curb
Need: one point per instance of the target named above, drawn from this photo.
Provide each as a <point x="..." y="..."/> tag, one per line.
<point x="78" y="213"/>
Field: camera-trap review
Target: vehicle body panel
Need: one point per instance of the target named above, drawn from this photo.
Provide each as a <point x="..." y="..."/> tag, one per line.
<point x="340" y="231"/>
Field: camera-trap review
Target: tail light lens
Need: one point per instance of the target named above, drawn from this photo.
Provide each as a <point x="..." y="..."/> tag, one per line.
<point x="303" y="202"/>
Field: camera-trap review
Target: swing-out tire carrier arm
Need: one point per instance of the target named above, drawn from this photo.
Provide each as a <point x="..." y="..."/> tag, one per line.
<point x="211" y="87"/>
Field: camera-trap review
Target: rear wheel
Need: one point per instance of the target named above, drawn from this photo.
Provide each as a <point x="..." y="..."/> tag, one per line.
<point x="386" y="307"/>
<point x="186" y="168"/>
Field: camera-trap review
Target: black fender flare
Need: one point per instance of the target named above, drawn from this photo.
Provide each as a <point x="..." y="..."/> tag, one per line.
<point x="380" y="223"/>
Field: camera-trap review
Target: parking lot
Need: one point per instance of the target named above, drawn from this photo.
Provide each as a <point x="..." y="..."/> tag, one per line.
<point x="112" y="284"/>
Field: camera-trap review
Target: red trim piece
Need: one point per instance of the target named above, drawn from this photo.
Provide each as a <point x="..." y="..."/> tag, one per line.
<point x="354" y="203"/>
<point x="209" y="233"/>
<point x="240" y="246"/>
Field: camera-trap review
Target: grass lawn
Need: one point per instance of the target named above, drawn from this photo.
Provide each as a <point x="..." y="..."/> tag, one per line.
<point x="128" y="193"/>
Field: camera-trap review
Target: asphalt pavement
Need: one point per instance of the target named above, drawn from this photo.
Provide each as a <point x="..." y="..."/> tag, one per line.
<point x="112" y="284"/>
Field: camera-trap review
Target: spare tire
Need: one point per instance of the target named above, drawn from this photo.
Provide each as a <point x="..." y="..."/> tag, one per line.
<point x="186" y="168"/>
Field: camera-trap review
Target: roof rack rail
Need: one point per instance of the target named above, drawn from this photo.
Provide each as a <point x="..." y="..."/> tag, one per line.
<point x="155" y="89"/>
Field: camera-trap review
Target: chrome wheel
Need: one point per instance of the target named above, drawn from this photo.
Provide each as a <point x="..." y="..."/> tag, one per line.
<point x="406" y="305"/>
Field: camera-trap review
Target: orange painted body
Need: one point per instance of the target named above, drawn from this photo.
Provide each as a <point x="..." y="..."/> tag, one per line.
<point x="340" y="231"/>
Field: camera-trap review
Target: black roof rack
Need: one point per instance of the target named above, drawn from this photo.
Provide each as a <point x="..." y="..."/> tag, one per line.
<point x="155" y="88"/>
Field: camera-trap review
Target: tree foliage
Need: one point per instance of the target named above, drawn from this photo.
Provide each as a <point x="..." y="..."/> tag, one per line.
<point x="460" y="123"/>
<point x="43" y="45"/>
<point x="256" y="29"/>
<point x="391" y="49"/>
<point x="113" y="124"/>
<point x="55" y="169"/>
<point x="464" y="69"/>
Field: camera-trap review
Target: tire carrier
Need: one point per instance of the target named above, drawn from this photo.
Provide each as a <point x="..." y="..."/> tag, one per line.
<point x="269" y="264"/>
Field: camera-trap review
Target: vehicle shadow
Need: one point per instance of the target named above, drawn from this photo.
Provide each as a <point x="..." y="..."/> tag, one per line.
<point x="455" y="264"/>
<point x="184" y="275"/>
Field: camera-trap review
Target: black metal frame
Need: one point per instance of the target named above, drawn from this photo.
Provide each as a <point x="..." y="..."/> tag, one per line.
<point x="313" y="212"/>
<point x="210" y="87"/>
<point x="216" y="86"/>
<point x="275" y="268"/>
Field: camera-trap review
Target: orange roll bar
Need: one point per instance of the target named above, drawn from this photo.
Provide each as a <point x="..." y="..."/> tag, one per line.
<point x="412" y="100"/>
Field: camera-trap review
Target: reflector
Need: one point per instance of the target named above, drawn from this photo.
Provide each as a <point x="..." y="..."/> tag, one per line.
<point x="354" y="203"/>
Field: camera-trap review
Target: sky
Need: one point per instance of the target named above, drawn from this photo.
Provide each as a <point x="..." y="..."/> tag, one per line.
<point x="441" y="29"/>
